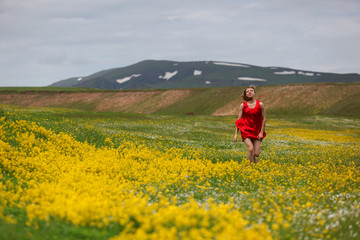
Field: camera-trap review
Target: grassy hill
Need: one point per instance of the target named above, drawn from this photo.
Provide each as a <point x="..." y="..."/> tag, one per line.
<point x="153" y="74"/>
<point x="342" y="99"/>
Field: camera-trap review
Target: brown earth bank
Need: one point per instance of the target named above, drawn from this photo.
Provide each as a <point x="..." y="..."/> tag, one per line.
<point x="304" y="98"/>
<point x="335" y="99"/>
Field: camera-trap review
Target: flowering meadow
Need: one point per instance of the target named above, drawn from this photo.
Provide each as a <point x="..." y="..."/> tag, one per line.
<point x="80" y="175"/>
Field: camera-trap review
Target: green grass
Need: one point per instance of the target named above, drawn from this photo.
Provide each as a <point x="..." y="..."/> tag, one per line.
<point x="60" y="89"/>
<point x="203" y="101"/>
<point x="45" y="89"/>
<point x="176" y="130"/>
<point x="55" y="229"/>
<point x="214" y="134"/>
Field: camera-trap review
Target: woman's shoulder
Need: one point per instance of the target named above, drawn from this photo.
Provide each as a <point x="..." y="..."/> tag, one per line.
<point x="261" y="104"/>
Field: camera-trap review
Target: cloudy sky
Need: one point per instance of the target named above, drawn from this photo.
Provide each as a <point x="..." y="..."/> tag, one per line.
<point x="44" y="41"/>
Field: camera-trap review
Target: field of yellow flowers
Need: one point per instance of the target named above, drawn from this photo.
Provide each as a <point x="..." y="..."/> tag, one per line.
<point x="77" y="175"/>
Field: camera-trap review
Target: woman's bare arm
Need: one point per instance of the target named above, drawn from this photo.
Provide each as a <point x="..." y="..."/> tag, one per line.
<point x="239" y="117"/>
<point x="263" y="114"/>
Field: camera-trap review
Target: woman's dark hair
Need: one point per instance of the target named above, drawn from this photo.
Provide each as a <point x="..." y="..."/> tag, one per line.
<point x="244" y="94"/>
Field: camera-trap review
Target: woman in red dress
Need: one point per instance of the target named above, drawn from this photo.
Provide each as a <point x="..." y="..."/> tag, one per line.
<point x="251" y="123"/>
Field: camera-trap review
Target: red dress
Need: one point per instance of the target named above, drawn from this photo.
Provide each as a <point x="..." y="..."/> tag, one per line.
<point x="250" y="122"/>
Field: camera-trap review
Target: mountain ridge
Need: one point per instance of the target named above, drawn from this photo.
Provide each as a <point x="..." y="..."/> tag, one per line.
<point x="166" y="74"/>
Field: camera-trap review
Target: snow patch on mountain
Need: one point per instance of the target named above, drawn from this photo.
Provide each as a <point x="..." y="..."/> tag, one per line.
<point x="251" y="79"/>
<point x="80" y="78"/>
<point x="230" y="64"/>
<point x="125" y="79"/>
<point x="285" y="72"/>
<point x="306" y="73"/>
<point x="197" y="72"/>
<point x="168" y="75"/>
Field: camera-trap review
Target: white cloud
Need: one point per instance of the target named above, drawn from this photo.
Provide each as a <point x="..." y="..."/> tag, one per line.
<point x="46" y="41"/>
<point x="70" y="20"/>
<point x="200" y="14"/>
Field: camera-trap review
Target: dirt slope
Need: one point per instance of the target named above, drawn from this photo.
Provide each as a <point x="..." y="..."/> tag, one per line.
<point x="126" y="101"/>
<point x="304" y="98"/>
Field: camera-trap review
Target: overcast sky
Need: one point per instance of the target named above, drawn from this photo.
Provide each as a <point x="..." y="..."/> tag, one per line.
<point x="44" y="41"/>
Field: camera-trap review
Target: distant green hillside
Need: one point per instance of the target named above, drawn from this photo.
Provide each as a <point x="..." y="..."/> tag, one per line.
<point x="153" y="74"/>
<point x="341" y="99"/>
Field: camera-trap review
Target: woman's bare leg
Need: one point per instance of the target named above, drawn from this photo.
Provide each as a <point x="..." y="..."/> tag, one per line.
<point x="256" y="143"/>
<point x="250" y="148"/>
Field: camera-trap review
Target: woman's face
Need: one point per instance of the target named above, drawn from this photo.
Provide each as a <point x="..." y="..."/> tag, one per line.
<point x="250" y="92"/>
